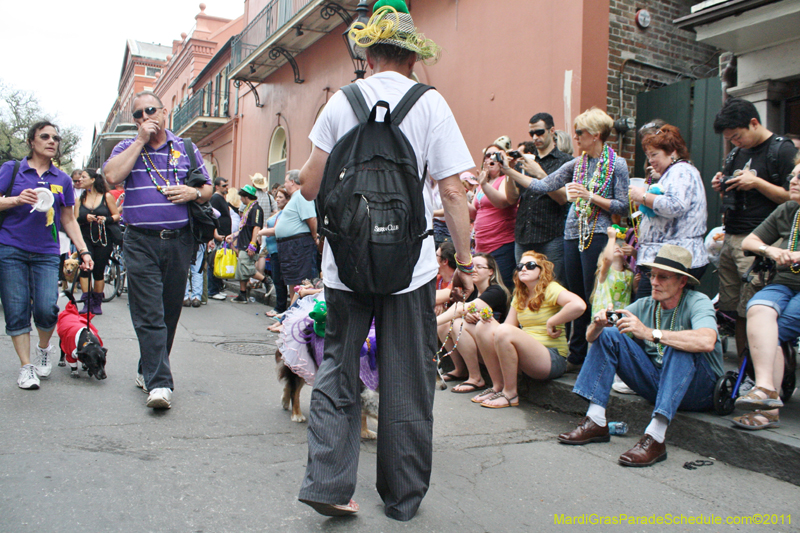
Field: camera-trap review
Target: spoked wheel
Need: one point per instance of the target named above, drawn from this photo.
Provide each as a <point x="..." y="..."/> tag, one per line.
<point x="723" y="400"/>
<point x="789" y="371"/>
<point x="112" y="278"/>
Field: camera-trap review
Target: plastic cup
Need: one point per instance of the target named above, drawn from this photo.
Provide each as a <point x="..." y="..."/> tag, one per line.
<point x="638" y="182"/>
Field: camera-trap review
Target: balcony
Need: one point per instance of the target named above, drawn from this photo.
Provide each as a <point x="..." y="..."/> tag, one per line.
<point x="205" y="112"/>
<point x="290" y="25"/>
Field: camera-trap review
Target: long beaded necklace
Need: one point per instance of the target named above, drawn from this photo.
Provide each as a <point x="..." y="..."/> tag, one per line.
<point x="243" y="218"/>
<point x="660" y="347"/>
<point x="150" y="167"/>
<point x="793" y="238"/>
<point x="102" y="238"/>
<point x="599" y="184"/>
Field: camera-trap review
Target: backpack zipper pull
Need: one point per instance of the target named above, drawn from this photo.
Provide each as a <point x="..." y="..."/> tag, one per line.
<point x="341" y="176"/>
<point x="366" y="202"/>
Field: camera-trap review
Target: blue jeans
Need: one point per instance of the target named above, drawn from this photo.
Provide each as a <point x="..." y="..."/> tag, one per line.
<point x="281" y="292"/>
<point x="215" y="285"/>
<point x="157" y="270"/>
<point x="194" y="285"/>
<point x="505" y="263"/>
<point x="26" y="276"/>
<point x="685" y="381"/>
<point x="580" y="269"/>
<point x="553" y="249"/>
<point x="787" y="304"/>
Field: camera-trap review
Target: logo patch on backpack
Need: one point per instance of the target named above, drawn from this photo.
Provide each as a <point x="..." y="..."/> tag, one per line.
<point x="370" y="202"/>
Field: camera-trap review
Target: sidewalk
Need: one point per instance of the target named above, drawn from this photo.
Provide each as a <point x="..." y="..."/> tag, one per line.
<point x="774" y="452"/>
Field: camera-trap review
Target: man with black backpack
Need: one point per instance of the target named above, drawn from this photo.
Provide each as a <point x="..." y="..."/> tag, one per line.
<point x="367" y="170"/>
<point x="753" y="182"/>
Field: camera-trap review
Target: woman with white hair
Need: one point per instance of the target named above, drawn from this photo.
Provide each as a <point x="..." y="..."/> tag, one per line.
<point x="597" y="185"/>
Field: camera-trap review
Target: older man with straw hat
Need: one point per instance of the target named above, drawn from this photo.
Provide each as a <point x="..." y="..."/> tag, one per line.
<point x="665" y="347"/>
<point x="268" y="204"/>
<point x="404" y="321"/>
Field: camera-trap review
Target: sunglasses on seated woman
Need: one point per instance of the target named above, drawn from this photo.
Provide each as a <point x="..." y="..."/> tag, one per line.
<point x="149" y="110"/>
<point x="530" y="265"/>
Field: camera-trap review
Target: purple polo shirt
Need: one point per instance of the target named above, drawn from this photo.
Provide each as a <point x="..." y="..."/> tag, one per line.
<point x="145" y="206"/>
<point x="23" y="229"/>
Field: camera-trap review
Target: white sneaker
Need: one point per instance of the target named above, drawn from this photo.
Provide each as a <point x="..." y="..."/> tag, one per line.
<point x="746" y="386"/>
<point x="140" y="383"/>
<point x="160" y="398"/>
<point x="41" y="361"/>
<point x="27" y="378"/>
<point x="219" y="296"/>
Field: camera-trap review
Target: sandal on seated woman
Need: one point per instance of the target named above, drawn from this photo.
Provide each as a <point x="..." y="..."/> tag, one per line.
<point x="539" y="348"/>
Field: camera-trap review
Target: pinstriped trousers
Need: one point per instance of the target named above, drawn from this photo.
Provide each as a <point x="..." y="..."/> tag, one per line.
<point x="405" y="328"/>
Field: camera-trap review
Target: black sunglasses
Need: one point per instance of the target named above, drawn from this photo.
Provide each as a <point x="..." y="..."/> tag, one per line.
<point x="538" y="133"/>
<point x="530" y="265"/>
<point x="46" y="137"/>
<point x="149" y="110"/>
<point x="578" y="133"/>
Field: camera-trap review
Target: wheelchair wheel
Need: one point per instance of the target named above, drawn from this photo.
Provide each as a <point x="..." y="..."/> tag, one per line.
<point x="723" y="400"/>
<point x="788" y="386"/>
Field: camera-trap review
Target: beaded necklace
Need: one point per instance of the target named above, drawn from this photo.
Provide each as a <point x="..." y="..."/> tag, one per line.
<point x="793" y="238"/>
<point x="102" y="239"/>
<point x="599" y="184"/>
<point x="659" y="347"/>
<point x="150" y="167"/>
<point x="243" y="219"/>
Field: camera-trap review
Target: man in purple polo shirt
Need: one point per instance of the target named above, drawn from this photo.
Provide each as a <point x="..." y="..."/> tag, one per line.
<point x="158" y="243"/>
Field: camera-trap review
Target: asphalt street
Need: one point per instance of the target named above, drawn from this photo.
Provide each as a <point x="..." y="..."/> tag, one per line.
<point x="86" y="455"/>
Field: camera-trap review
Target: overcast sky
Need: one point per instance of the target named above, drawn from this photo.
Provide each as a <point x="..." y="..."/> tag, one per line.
<point x="69" y="53"/>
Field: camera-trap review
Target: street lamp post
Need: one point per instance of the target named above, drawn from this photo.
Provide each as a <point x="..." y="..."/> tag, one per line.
<point x="357" y="54"/>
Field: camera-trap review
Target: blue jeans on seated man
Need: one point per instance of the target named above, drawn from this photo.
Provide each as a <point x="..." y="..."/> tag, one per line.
<point x="685" y="380"/>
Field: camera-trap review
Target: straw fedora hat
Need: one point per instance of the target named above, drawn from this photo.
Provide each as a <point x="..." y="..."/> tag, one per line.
<point x="259" y="181"/>
<point x="673" y="259"/>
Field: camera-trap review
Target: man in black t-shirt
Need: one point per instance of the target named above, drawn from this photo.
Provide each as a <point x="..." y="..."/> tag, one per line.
<point x="247" y="242"/>
<point x="754" y="181"/>
<point x="540" y="217"/>
<point x="215" y="285"/>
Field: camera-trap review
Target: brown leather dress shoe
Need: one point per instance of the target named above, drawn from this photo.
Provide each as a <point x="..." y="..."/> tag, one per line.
<point x="646" y="452"/>
<point x="586" y="432"/>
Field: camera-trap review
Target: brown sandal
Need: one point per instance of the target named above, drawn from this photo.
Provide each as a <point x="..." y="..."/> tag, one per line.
<point x="750" y="422"/>
<point x="752" y="400"/>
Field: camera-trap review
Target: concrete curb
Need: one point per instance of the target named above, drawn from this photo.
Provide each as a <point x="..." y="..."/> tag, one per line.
<point x="707" y="434"/>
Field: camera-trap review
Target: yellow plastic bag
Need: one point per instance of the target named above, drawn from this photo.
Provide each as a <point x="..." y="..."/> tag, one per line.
<point x="225" y="262"/>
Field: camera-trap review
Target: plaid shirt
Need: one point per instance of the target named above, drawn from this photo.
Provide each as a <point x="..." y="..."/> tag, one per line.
<point x="539" y="217"/>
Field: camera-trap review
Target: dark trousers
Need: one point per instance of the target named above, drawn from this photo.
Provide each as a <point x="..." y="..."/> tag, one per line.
<point x="405" y="328"/>
<point x="580" y="268"/>
<point x="157" y="270"/>
<point x="281" y="292"/>
<point x="215" y="285"/>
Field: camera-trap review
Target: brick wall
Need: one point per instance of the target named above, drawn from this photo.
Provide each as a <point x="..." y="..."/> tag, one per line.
<point x="661" y="44"/>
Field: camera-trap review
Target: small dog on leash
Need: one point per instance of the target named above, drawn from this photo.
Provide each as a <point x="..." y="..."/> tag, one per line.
<point x="291" y="397"/>
<point x="80" y="342"/>
<point x="71" y="265"/>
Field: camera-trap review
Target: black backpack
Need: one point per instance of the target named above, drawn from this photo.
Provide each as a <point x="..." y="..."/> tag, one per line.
<point x="772" y="159"/>
<point x="370" y="206"/>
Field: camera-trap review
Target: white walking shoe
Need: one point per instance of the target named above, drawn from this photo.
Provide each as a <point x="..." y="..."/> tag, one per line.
<point x="160" y="398"/>
<point x="41" y="361"/>
<point x="27" y="378"/>
<point x="140" y="383"/>
<point x="219" y="296"/>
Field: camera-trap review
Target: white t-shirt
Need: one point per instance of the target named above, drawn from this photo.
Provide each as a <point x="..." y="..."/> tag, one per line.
<point x="433" y="133"/>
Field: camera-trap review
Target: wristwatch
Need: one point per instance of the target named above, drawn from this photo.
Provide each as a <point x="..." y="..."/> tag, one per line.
<point x="763" y="249"/>
<point x="657" y="335"/>
<point x="198" y="194"/>
<point x="644" y="199"/>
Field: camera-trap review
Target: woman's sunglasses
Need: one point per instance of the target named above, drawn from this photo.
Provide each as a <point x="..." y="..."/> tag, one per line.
<point x="47" y="136"/>
<point x="149" y="110"/>
<point x="530" y="265"/>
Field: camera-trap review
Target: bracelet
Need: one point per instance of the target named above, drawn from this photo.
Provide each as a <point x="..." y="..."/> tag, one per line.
<point x="591" y="195"/>
<point x="85" y="252"/>
<point x="467" y="267"/>
<point x="251" y="247"/>
<point x="467" y="264"/>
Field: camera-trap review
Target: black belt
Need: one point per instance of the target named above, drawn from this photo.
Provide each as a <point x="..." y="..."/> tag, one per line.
<point x="293" y="237"/>
<point x="161" y="233"/>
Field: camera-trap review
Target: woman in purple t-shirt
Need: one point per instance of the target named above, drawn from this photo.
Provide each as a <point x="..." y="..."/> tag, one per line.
<point x="29" y="247"/>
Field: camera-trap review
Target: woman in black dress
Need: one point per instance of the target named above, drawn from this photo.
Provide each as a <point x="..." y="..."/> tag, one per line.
<point x="94" y="211"/>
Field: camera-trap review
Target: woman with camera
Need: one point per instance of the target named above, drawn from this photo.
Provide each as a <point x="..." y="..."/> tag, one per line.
<point x="676" y="210"/>
<point x="494" y="216"/>
<point x="773" y="314"/>
<point x="597" y="185"/>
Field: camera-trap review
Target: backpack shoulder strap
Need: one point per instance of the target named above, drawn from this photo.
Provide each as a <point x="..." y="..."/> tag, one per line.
<point x="188" y="148"/>
<point x="727" y="167"/>
<point x="13" y="178"/>
<point x="357" y="102"/>
<point x="407" y="102"/>
<point x="772" y="156"/>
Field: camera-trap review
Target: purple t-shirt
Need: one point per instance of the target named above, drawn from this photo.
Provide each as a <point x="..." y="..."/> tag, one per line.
<point x="29" y="231"/>
<point x="145" y="206"/>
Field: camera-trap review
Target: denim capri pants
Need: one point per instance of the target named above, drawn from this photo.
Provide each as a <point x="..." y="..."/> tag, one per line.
<point x="26" y="276"/>
<point x="787" y="303"/>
